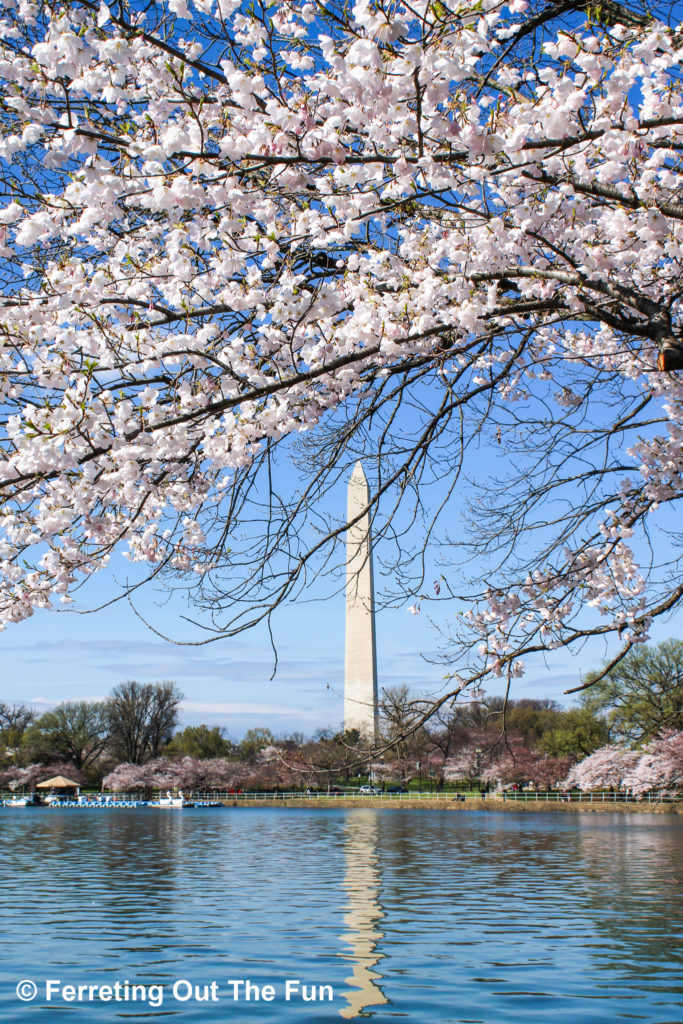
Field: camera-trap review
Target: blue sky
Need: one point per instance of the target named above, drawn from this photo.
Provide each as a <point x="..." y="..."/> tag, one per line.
<point x="64" y="656"/>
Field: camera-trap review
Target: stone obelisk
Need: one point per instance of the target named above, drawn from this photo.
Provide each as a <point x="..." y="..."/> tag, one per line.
<point x="360" y="676"/>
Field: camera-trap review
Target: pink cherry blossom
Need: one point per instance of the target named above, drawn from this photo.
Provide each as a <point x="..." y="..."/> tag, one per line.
<point x="660" y="767"/>
<point x="605" y="769"/>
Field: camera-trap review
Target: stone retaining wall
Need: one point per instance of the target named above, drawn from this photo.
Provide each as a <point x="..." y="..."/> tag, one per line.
<point x="448" y="804"/>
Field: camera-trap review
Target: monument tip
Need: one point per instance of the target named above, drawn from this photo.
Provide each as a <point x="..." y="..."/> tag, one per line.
<point x="358" y="472"/>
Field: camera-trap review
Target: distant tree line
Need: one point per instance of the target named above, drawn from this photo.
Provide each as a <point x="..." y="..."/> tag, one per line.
<point x="135" y="723"/>
<point x="134" y="732"/>
<point x="536" y="741"/>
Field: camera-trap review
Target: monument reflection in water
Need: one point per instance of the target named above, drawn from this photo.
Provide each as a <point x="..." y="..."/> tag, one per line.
<point x="363" y="914"/>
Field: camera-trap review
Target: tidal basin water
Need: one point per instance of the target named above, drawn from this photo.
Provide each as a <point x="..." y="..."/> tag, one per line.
<point x="418" y="916"/>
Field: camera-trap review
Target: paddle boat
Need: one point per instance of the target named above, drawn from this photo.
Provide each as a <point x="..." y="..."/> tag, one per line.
<point x="175" y="801"/>
<point x="27" y="800"/>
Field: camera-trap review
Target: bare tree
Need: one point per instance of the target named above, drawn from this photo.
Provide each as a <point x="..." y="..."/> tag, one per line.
<point x="15" y="716"/>
<point x="141" y="719"/>
<point x="400" y="716"/>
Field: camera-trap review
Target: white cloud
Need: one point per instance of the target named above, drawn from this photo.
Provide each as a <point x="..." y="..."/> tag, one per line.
<point x="245" y="708"/>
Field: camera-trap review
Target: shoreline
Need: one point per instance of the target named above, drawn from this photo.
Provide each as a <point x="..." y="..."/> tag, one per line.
<point x="449" y="804"/>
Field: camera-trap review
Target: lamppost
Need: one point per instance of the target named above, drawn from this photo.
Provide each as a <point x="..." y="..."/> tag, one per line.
<point x="419" y="774"/>
<point x="477" y="751"/>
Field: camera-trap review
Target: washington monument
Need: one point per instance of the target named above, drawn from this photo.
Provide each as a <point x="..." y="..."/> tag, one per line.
<point x="360" y="675"/>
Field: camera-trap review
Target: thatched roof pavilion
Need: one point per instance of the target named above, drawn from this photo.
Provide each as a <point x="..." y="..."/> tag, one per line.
<point x="59" y="782"/>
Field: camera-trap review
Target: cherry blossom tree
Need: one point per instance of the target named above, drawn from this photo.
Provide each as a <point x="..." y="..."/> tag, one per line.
<point x="279" y="768"/>
<point x="505" y="760"/>
<point x="547" y="772"/>
<point x="202" y="774"/>
<point x="234" y="235"/>
<point x="605" y="769"/>
<point x="382" y="773"/>
<point x="17" y="778"/>
<point x="402" y="768"/>
<point x="186" y="773"/>
<point x="219" y="774"/>
<point x="465" y="766"/>
<point x="543" y="772"/>
<point x="660" y="768"/>
<point x="128" y="778"/>
<point x="205" y="774"/>
<point x="656" y="767"/>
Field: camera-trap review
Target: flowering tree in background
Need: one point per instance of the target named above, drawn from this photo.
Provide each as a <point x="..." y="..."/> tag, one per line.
<point x="27" y="778"/>
<point x="15" y="777"/>
<point x="127" y="778"/>
<point x="218" y="774"/>
<point x="405" y="768"/>
<point x="465" y="766"/>
<point x="660" y="766"/>
<point x="605" y="769"/>
<point x="656" y="767"/>
<point x="186" y="773"/>
<point x="389" y="773"/>
<point x="514" y="762"/>
<point x="409" y="230"/>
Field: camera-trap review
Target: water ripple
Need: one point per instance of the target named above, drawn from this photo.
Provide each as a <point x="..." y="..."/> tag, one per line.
<point x="425" y="916"/>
